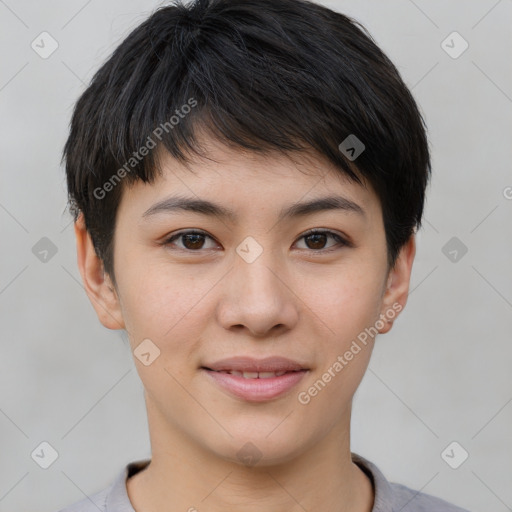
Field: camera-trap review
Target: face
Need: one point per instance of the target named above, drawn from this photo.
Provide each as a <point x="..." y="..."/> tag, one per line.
<point x="243" y="285"/>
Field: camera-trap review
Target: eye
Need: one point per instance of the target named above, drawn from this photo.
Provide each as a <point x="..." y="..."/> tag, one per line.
<point x="317" y="239"/>
<point x="194" y="241"/>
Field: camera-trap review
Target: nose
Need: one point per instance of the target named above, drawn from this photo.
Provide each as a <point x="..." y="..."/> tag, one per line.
<point x="256" y="297"/>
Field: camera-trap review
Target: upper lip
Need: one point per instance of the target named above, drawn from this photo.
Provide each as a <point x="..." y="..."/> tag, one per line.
<point x="250" y="364"/>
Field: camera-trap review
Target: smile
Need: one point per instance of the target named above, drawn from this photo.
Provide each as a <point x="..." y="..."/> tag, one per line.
<point x="254" y="386"/>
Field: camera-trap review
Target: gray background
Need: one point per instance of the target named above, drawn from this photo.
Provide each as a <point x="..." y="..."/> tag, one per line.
<point x="441" y="375"/>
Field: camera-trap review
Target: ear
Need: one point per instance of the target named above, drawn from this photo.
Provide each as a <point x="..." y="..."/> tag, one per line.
<point x="397" y="287"/>
<point x="97" y="283"/>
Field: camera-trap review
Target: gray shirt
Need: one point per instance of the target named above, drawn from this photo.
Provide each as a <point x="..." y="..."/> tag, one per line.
<point x="389" y="497"/>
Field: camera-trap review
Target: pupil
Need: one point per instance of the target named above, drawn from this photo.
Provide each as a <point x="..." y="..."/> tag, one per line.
<point x="316" y="240"/>
<point x="195" y="240"/>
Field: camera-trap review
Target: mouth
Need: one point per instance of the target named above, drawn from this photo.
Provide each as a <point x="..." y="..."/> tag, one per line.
<point x="255" y="380"/>
<point x="251" y="375"/>
<point x="247" y="364"/>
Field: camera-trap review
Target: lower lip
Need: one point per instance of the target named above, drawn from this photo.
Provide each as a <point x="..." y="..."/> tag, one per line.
<point x="256" y="390"/>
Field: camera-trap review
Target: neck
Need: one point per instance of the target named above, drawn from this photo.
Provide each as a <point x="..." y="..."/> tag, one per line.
<point x="185" y="476"/>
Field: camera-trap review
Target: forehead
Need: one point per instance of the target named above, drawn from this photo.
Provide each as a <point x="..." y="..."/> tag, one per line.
<point x="242" y="180"/>
<point x="219" y="159"/>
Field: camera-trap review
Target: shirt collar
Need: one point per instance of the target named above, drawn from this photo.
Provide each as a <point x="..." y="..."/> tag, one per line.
<point x="117" y="498"/>
<point x="383" y="494"/>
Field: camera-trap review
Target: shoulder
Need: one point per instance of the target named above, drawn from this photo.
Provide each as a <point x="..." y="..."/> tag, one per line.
<point x="115" y="497"/>
<point x="394" y="497"/>
<point x="409" y="500"/>
<point x="95" y="503"/>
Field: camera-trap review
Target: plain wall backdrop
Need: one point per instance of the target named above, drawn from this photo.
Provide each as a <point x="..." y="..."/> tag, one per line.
<point x="443" y="373"/>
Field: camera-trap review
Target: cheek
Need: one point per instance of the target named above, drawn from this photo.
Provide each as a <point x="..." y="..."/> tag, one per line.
<point x="165" y="309"/>
<point x="346" y="301"/>
<point x="159" y="300"/>
<point x="346" y="306"/>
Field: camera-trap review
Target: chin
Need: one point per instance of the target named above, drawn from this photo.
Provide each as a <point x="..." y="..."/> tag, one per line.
<point x="257" y="448"/>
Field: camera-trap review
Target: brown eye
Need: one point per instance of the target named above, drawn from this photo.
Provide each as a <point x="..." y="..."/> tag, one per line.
<point x="194" y="241"/>
<point x="316" y="240"/>
<point x="191" y="240"/>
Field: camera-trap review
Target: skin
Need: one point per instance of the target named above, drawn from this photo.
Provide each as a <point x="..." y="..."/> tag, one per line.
<point x="295" y="300"/>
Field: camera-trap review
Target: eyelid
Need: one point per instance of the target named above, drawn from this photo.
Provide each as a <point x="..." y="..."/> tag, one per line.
<point x="343" y="240"/>
<point x="169" y="239"/>
<point x="342" y="237"/>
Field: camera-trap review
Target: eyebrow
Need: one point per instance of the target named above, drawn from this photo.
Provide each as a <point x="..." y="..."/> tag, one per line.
<point x="204" y="207"/>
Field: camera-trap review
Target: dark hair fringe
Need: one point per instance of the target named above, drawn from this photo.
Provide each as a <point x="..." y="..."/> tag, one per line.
<point x="283" y="75"/>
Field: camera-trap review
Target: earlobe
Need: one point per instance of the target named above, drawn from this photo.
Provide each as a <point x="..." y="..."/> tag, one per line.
<point x="397" y="286"/>
<point x="97" y="283"/>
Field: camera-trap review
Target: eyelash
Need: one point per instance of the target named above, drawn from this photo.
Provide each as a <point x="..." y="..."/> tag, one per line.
<point x="342" y="242"/>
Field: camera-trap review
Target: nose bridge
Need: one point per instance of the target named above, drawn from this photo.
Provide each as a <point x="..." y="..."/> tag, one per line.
<point x="259" y="286"/>
<point x="256" y="296"/>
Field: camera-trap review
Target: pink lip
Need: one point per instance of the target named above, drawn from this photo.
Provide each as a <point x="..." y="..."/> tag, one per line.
<point x="256" y="390"/>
